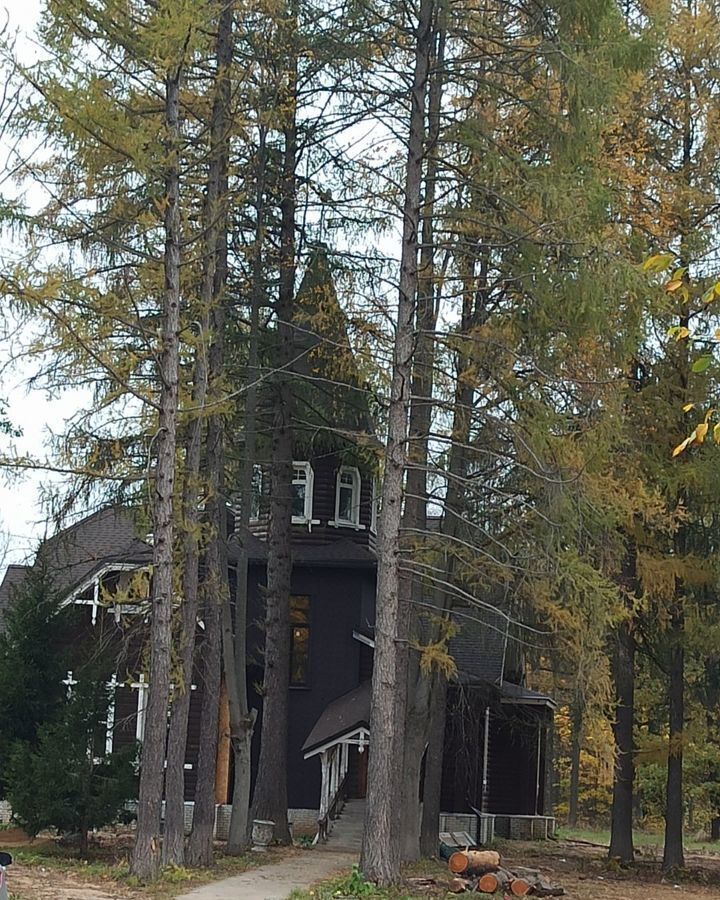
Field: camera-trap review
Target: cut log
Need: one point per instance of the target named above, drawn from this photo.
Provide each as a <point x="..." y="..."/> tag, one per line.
<point x="519" y="887"/>
<point x="527" y="873"/>
<point x="474" y="862"/>
<point x="543" y="888"/>
<point x="493" y="881"/>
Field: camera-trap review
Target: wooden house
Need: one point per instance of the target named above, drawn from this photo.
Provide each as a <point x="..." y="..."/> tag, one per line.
<point x="498" y="748"/>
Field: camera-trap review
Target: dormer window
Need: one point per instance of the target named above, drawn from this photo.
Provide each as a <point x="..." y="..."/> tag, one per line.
<point x="302" y="492"/>
<point x="347" y="497"/>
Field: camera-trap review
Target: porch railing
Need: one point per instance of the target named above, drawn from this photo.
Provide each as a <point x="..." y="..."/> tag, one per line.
<point x="335" y="763"/>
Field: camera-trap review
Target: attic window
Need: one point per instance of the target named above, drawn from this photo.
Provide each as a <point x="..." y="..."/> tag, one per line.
<point x="347" y="497"/>
<point x="302" y="492"/>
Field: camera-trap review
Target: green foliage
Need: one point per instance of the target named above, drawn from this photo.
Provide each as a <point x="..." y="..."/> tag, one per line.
<point x="67" y="781"/>
<point x="33" y="663"/>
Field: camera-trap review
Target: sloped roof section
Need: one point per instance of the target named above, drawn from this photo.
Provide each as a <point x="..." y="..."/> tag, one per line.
<point x="341" y="552"/>
<point x="342" y="716"/>
<point x="331" y="403"/>
<point x="480" y="644"/>
<point x="13" y="578"/>
<point x="105" y="537"/>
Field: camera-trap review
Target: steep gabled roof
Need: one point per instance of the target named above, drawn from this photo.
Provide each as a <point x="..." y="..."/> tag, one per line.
<point x="101" y="539"/>
<point x="13" y="578"/>
<point x="330" y="401"/>
<point x="341" y="717"/>
<point x="75" y="554"/>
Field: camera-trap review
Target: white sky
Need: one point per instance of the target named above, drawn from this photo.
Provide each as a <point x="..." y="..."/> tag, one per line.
<point x="22" y="518"/>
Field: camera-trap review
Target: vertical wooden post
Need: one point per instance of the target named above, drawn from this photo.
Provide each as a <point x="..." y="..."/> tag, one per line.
<point x="222" y="770"/>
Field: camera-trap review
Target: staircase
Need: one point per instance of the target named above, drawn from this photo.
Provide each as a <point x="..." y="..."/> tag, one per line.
<point x="347" y="831"/>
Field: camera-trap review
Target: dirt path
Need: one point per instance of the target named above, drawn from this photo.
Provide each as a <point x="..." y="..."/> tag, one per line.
<point x="36" y="883"/>
<point x="277" y="881"/>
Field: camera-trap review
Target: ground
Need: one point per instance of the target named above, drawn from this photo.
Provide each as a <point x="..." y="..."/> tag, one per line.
<point x="45" y="871"/>
<point x="580" y="868"/>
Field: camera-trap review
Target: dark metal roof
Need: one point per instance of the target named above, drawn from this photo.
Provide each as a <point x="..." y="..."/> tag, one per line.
<point x="342" y="716"/>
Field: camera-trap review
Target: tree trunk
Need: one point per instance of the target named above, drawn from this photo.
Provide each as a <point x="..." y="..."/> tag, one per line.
<point x="270" y="797"/>
<point x="146" y="853"/>
<point x="174" y="836"/>
<point x="577" y="711"/>
<point x="673" y="856"/>
<point x="242" y="719"/>
<point x="380" y="855"/>
<point x="430" y="820"/>
<point x="415" y="516"/>
<point x="623" y="665"/>
<point x="200" y="844"/>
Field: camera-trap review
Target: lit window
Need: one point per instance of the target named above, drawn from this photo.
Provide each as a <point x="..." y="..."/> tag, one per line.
<point x="302" y="492"/>
<point x="347" y="497"/>
<point x="299" y="639"/>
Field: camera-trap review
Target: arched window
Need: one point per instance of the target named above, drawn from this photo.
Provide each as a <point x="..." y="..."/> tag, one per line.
<point x="302" y="492"/>
<point x="347" y="497"/>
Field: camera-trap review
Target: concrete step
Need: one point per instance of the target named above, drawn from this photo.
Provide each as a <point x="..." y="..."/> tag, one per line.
<point x="348" y="828"/>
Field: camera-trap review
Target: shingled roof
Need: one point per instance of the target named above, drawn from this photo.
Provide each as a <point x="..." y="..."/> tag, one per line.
<point x="343" y="716"/>
<point x="480" y="645"/>
<point x="14" y="577"/>
<point x="103" y="538"/>
<point x="341" y="552"/>
<point x="75" y="554"/>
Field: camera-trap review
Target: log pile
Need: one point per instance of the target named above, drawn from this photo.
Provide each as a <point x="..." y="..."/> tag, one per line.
<point x="480" y="871"/>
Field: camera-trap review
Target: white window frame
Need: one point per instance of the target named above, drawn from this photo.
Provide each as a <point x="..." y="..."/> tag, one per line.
<point x="337" y="522"/>
<point x="309" y="482"/>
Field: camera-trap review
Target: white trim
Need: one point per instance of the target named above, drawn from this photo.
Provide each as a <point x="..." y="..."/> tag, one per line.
<point x="110" y="724"/>
<point x="374" y="506"/>
<point x="357" y="736"/>
<point x="308" y="481"/>
<point x="141" y="686"/>
<point x="364" y="639"/>
<point x="94" y="580"/>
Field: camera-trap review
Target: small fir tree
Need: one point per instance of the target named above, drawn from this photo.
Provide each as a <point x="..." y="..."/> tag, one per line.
<point x="32" y="664"/>
<point x="68" y="781"/>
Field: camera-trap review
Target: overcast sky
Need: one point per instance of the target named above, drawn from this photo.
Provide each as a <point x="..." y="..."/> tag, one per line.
<point x="21" y="515"/>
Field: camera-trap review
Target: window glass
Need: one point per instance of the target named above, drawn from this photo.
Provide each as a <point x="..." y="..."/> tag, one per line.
<point x="347" y="500"/>
<point x="299" y="639"/>
<point x="302" y="491"/>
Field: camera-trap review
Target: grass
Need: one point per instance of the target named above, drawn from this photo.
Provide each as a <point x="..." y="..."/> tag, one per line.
<point x="353" y="885"/>
<point x="643" y="839"/>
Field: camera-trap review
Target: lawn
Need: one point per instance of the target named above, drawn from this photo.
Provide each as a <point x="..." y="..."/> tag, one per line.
<point x="644" y="840"/>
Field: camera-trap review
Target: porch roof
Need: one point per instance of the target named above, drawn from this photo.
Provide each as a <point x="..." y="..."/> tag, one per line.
<point x="343" y="716"/>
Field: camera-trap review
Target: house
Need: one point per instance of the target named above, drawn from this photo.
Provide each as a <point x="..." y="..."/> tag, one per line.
<point x="498" y="745"/>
